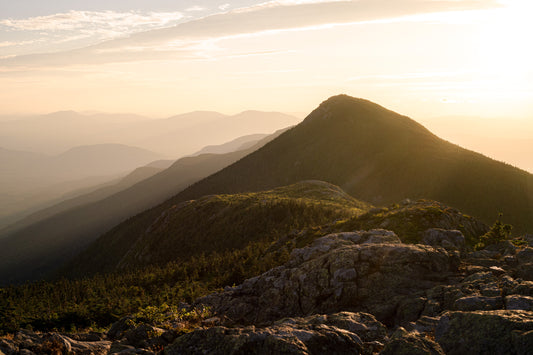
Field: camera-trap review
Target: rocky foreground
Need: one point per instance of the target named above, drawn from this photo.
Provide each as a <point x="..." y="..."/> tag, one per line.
<point x="353" y="292"/>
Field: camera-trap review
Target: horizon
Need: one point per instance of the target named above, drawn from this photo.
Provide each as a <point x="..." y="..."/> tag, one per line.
<point x="421" y="58"/>
<point x="507" y="140"/>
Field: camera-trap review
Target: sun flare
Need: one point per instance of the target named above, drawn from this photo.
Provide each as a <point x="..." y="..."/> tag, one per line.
<point x="505" y="48"/>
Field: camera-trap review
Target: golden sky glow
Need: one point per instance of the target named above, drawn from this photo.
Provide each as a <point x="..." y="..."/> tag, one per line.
<point x="424" y="58"/>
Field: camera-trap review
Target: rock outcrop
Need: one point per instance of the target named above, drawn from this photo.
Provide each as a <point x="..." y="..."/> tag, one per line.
<point x="345" y="293"/>
<point x="361" y="271"/>
<point x="340" y="333"/>
<point x="484" y="332"/>
<point x="28" y="343"/>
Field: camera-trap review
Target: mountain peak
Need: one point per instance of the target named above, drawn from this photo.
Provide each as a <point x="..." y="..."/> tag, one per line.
<point x="345" y="106"/>
<point x="346" y="113"/>
<point x="343" y="99"/>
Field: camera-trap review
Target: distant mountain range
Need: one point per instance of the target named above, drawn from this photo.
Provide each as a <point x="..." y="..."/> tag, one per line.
<point x="32" y="247"/>
<point x="29" y="181"/>
<point x="172" y="137"/>
<point x="240" y="143"/>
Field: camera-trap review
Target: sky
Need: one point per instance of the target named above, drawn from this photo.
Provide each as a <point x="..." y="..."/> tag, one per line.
<point x="422" y="58"/>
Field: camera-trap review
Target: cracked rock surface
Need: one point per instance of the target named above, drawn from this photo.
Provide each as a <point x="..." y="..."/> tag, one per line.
<point x="363" y="271"/>
<point x="345" y="293"/>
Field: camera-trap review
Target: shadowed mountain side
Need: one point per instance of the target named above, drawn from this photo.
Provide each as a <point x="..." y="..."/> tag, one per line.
<point x="31" y="253"/>
<point x="376" y="155"/>
<point x="161" y="164"/>
<point x="29" y="182"/>
<point x="84" y="197"/>
<point x="240" y="143"/>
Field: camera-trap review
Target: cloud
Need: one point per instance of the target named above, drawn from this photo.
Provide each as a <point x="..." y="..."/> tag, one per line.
<point x="89" y="20"/>
<point x="189" y="39"/>
<point x="195" y="9"/>
<point x="12" y="44"/>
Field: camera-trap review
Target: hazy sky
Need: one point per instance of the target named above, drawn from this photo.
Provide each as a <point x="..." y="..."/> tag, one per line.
<point x="161" y="57"/>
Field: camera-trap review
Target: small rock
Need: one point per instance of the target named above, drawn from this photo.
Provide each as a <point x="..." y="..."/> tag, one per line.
<point x="448" y="239"/>
<point x="496" y="270"/>
<point x="403" y="342"/>
<point x="140" y="335"/>
<point x="117" y="347"/>
<point x="523" y="341"/>
<point x="482" y="332"/>
<point x="525" y="255"/>
<point x="211" y="321"/>
<point x="7" y="346"/>
<point x="502" y="248"/>
<point x="118" y="328"/>
<point x="524" y="303"/>
<point x="478" y="303"/>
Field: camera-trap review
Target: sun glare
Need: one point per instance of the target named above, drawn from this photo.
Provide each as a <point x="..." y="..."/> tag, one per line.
<point x="505" y="48"/>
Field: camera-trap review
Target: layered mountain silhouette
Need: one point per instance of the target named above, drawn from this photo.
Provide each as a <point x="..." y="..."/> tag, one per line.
<point x="375" y="155"/>
<point x="34" y="247"/>
<point x="29" y="181"/>
<point x="234" y="145"/>
<point x="86" y="196"/>
<point x="173" y="137"/>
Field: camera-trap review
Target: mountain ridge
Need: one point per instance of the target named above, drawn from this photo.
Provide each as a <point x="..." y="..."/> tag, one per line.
<point x="381" y="160"/>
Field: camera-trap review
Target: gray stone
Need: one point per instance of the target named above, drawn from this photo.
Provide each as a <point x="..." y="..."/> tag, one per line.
<point x="523" y="341"/>
<point x="411" y="343"/>
<point x="525" y="255"/>
<point x="482" y="332"/>
<point x="341" y="333"/>
<point x="524" y="303"/>
<point x="525" y="271"/>
<point x="448" y="239"/>
<point x="118" y="328"/>
<point x="8" y="346"/>
<point x="502" y="248"/>
<point x="140" y="335"/>
<point x="478" y="303"/>
<point x="335" y="274"/>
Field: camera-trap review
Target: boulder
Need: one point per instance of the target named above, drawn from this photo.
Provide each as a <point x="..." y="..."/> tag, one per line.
<point x="448" y="239"/>
<point x="518" y="302"/>
<point x="411" y="343"/>
<point x="484" y="332"/>
<point x="523" y="341"/>
<point x="28" y="342"/>
<point x="120" y="327"/>
<point x="8" y="347"/>
<point x="141" y="335"/>
<point x="342" y="333"/>
<point x="525" y="255"/>
<point x="334" y="274"/>
<point x="477" y="303"/>
<point x="502" y="248"/>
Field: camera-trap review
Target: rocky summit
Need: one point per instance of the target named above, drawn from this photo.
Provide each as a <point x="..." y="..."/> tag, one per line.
<point x="362" y="292"/>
